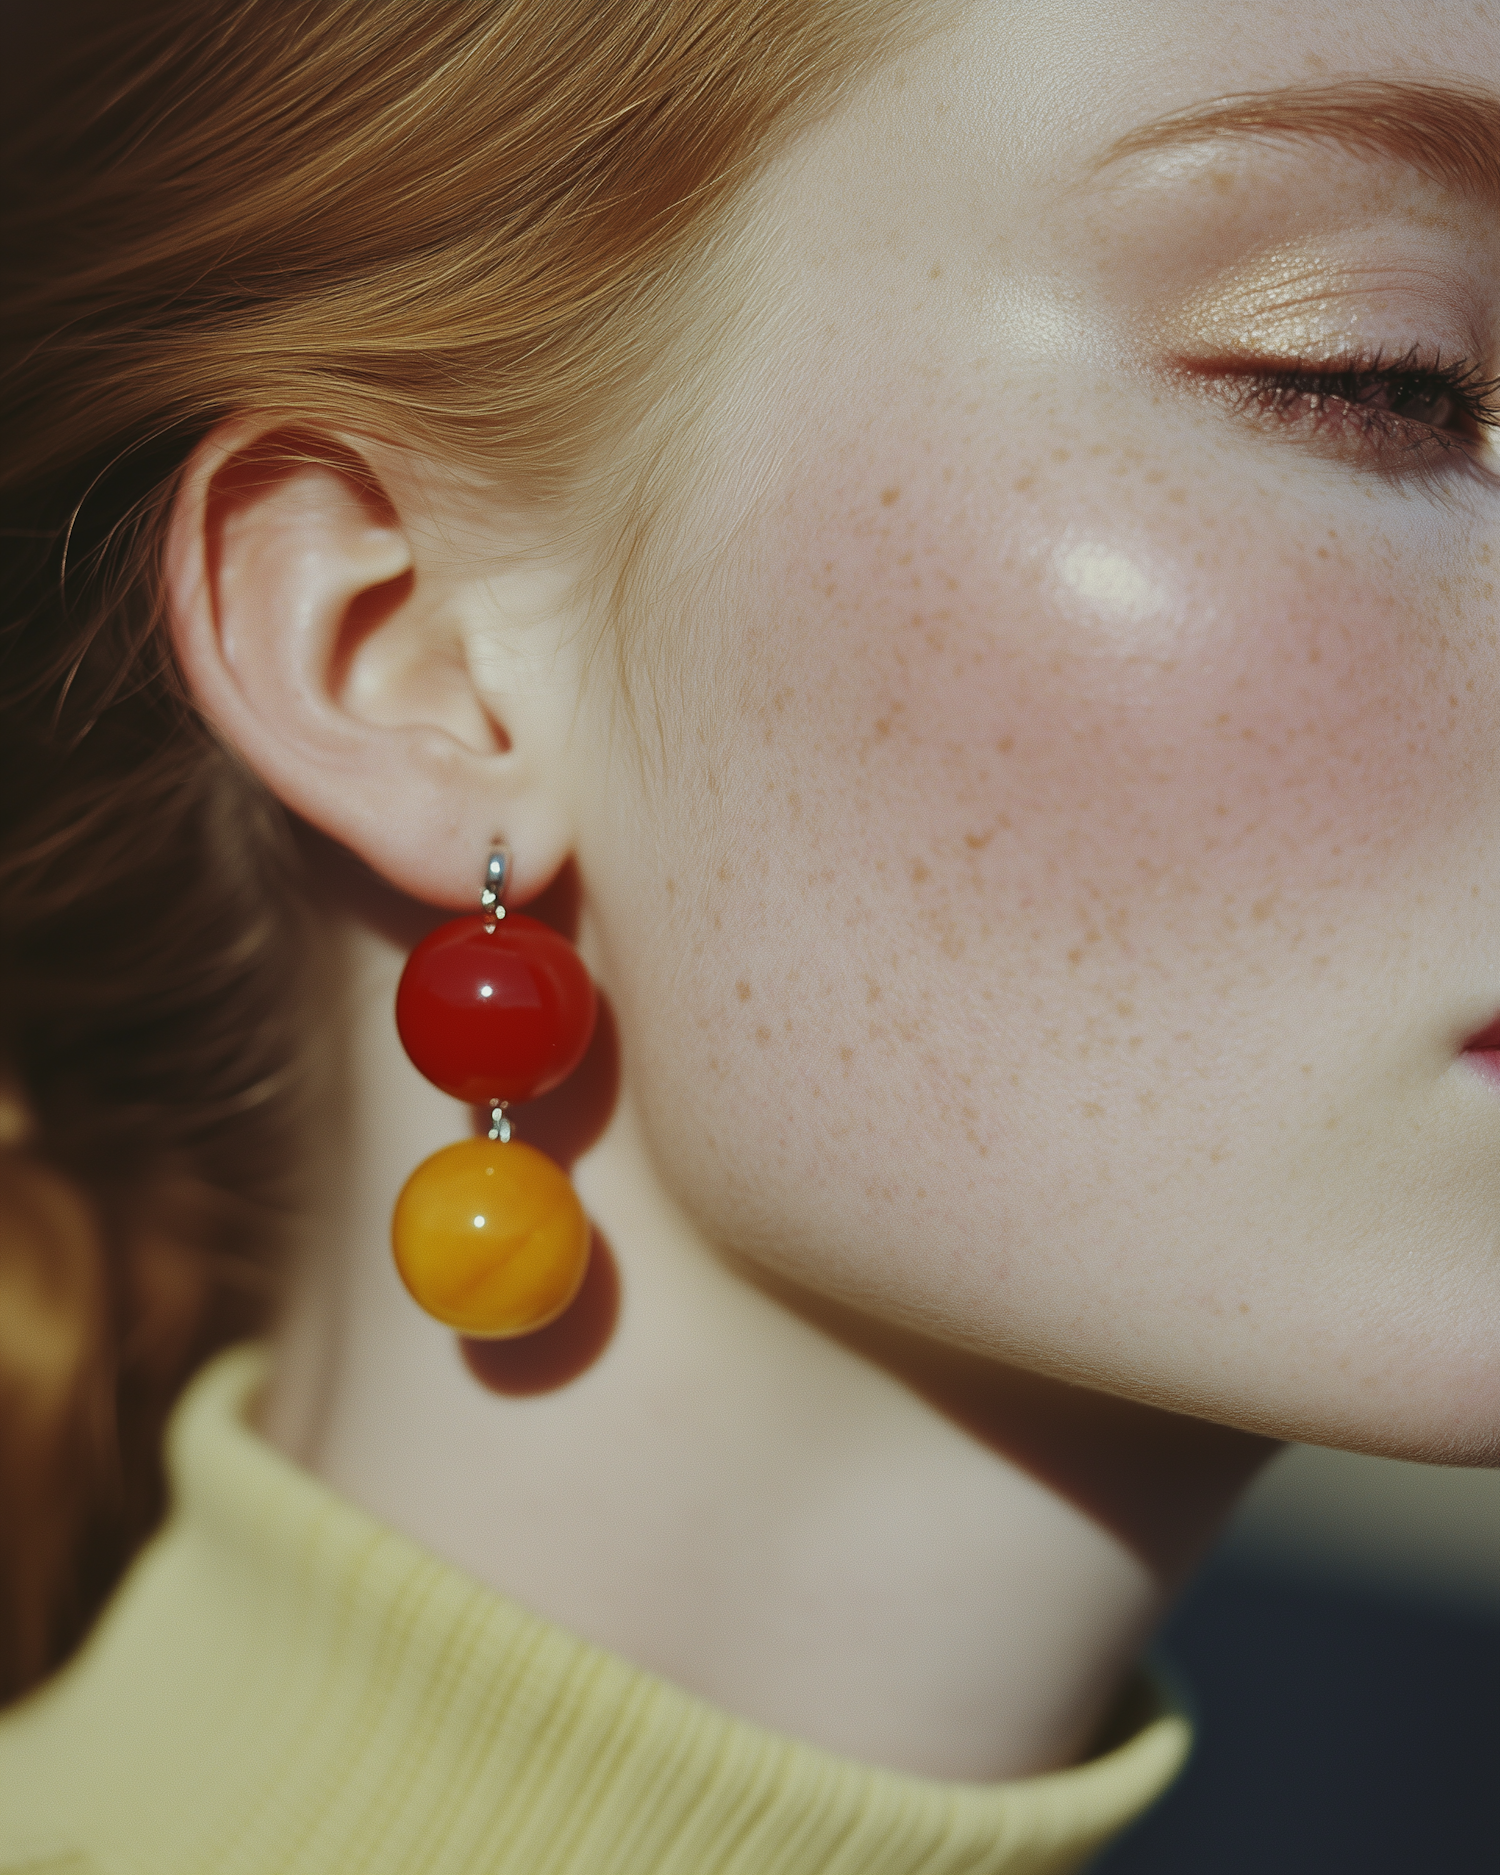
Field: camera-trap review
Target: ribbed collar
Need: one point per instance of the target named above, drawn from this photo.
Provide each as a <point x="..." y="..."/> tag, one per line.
<point x="285" y="1685"/>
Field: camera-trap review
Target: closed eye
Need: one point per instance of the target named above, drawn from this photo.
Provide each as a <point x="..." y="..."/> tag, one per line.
<point x="1400" y="415"/>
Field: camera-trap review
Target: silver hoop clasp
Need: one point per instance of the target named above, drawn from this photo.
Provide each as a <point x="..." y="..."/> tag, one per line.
<point x="496" y="880"/>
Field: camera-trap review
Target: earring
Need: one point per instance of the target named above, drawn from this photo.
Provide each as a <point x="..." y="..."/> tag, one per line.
<point x="488" y="1234"/>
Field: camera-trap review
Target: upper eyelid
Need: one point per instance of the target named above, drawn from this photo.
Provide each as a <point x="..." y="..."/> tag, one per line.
<point x="1461" y="375"/>
<point x="1476" y="395"/>
<point x="1440" y="469"/>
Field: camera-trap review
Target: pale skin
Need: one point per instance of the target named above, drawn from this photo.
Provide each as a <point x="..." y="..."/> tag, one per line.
<point x="1044" y="875"/>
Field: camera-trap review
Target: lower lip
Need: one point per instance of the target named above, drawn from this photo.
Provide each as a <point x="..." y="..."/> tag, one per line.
<point x="1484" y="1052"/>
<point x="1487" y="1061"/>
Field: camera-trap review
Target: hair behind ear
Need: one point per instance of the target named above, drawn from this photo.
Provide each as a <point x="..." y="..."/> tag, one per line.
<point x="155" y="973"/>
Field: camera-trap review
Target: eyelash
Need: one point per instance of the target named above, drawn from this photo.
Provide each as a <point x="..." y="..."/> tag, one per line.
<point x="1337" y="400"/>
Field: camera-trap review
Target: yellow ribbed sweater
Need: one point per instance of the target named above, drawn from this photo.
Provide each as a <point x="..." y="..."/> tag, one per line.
<point x="282" y="1686"/>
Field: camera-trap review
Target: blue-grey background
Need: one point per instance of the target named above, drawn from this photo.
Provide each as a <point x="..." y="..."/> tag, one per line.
<point x="1342" y="1653"/>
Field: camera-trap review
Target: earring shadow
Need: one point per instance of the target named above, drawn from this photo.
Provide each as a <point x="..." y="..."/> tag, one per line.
<point x="562" y="902"/>
<point x="566" y="1122"/>
<point x="558" y="1353"/>
<point x="563" y="1124"/>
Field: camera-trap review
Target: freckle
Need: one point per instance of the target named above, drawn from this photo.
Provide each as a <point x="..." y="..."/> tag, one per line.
<point x="979" y="841"/>
<point x="762" y="1035"/>
<point x="872" y="995"/>
<point x="1062" y="455"/>
<point x="1244" y="1308"/>
<point x="888" y="496"/>
<point x="742" y="990"/>
<point x="1005" y="745"/>
<point x="846" y="1055"/>
<point x="787" y="1024"/>
<point x="1024" y="484"/>
<point x="920" y="872"/>
<point x="725" y="873"/>
<point x="934" y="272"/>
<point x="1092" y="1110"/>
<point x="671" y="888"/>
<point x="1075" y="957"/>
<point x="882" y="728"/>
<point x="1262" y="909"/>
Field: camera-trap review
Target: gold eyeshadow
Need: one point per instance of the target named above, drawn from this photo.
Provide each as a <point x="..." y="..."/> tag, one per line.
<point x="1307" y="302"/>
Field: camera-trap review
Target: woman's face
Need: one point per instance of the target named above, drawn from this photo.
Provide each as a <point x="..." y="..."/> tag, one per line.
<point x="1070" y="877"/>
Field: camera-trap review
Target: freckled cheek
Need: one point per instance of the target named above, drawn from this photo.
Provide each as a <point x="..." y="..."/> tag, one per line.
<point x="1115" y="694"/>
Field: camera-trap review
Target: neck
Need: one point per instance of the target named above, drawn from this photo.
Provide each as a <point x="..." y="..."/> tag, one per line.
<point x="890" y="1548"/>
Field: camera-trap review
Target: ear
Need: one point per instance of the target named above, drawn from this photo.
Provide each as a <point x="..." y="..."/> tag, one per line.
<point x="381" y="647"/>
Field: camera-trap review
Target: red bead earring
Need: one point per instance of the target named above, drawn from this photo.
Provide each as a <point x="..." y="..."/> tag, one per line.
<point x="488" y="1234"/>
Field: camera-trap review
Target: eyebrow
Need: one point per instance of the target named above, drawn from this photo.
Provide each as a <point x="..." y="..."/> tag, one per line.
<point x="1449" y="133"/>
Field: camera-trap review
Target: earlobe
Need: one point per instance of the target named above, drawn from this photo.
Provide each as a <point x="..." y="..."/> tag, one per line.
<point x="336" y="659"/>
